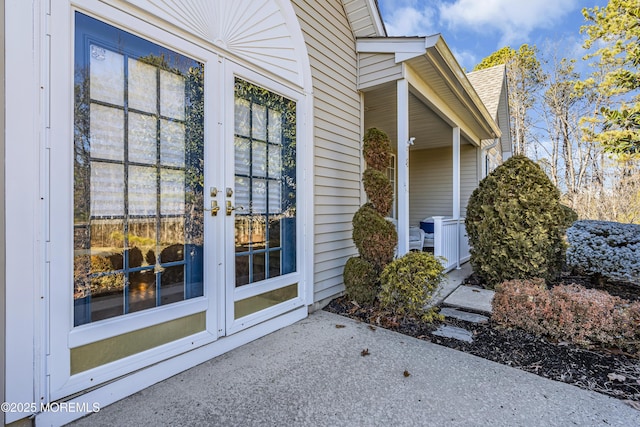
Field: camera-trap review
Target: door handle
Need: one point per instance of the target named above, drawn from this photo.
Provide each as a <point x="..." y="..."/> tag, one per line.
<point x="233" y="208"/>
<point x="214" y="208"/>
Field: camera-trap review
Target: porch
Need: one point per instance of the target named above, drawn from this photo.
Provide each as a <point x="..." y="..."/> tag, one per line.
<point x="416" y="92"/>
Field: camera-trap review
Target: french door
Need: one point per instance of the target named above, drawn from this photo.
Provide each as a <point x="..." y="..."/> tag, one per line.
<point x="263" y="278"/>
<point x="184" y="173"/>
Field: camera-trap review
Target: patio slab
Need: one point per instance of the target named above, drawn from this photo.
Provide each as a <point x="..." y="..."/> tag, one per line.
<point x="452" y="280"/>
<point x="463" y="315"/>
<point x="471" y="298"/>
<point x="454" y="332"/>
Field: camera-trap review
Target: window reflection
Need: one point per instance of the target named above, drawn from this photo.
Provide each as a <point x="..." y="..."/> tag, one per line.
<point x="265" y="184"/>
<point x="138" y="174"/>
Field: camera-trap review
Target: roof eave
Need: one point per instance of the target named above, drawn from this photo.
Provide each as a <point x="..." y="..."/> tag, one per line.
<point x="435" y="50"/>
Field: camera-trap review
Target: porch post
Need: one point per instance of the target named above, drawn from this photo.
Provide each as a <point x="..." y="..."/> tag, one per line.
<point x="456" y="189"/>
<point x="403" y="166"/>
<point x="456" y="172"/>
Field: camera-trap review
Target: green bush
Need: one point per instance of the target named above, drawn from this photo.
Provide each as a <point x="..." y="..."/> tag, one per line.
<point x="409" y="283"/>
<point x="569" y="216"/>
<point x="376" y="149"/>
<point x="374" y="236"/>
<point x="379" y="190"/>
<point x="516" y="224"/>
<point x="361" y="280"/>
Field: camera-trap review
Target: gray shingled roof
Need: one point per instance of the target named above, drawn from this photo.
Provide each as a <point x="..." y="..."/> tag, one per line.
<point x="488" y="84"/>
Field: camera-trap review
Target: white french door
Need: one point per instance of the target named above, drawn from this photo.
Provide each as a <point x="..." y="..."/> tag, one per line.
<point x="262" y="175"/>
<point x="174" y="179"/>
<point x="136" y="273"/>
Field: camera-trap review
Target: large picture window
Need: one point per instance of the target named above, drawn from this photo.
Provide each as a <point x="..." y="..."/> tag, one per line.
<point x="138" y="173"/>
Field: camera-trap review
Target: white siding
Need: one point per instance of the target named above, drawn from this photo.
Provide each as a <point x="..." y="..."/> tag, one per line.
<point x="377" y="68"/>
<point x="430" y="183"/>
<point x="468" y="175"/>
<point x="361" y="18"/>
<point x="337" y="164"/>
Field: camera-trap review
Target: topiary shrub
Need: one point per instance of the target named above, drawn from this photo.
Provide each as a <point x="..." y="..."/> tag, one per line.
<point x="378" y="187"/>
<point x="605" y="250"/>
<point x="571" y="313"/>
<point x="408" y="284"/>
<point x="375" y="237"/>
<point x="376" y="149"/>
<point x="361" y="280"/>
<point x="516" y="224"/>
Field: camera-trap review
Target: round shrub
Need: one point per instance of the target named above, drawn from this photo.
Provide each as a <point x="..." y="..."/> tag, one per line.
<point x="605" y="250"/>
<point x="374" y="236"/>
<point x="516" y="224"/>
<point x="376" y="149"/>
<point x="379" y="190"/>
<point x="361" y="280"/>
<point x="407" y="285"/>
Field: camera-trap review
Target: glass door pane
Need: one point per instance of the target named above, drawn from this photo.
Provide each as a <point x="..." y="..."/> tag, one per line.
<point x="138" y="174"/>
<point x="265" y="184"/>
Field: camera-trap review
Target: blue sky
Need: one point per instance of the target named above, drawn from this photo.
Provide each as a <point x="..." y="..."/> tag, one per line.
<point x="474" y="29"/>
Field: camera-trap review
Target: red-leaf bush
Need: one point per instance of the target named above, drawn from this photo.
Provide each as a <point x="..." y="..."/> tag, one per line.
<point x="586" y="317"/>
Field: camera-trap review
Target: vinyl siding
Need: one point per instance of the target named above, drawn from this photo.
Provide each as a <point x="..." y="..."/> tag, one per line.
<point x="377" y="68"/>
<point x="430" y="183"/>
<point x="360" y="17"/>
<point x="337" y="160"/>
<point x="468" y="175"/>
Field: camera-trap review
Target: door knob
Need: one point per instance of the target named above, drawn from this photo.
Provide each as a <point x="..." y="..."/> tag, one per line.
<point x="214" y="208"/>
<point x="233" y="208"/>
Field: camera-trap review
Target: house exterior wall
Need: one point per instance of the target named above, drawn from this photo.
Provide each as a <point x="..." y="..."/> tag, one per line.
<point x="468" y="175"/>
<point x="337" y="133"/>
<point x="431" y="181"/>
<point x="377" y="68"/>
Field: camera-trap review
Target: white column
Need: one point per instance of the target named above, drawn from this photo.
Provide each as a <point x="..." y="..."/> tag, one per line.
<point x="456" y="189"/>
<point x="456" y="172"/>
<point x="403" y="166"/>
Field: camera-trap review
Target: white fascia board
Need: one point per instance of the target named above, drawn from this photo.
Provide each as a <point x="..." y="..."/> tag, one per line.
<point x="441" y="49"/>
<point x="391" y="45"/>
<point x="374" y="11"/>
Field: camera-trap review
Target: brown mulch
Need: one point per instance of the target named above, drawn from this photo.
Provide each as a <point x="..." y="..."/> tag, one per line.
<point x="606" y="371"/>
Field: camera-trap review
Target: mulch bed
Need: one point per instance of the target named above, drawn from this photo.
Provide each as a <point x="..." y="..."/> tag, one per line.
<point x="606" y="371"/>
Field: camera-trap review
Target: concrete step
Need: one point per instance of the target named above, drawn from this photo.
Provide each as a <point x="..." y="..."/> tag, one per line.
<point x="471" y="298"/>
<point x="448" y="331"/>
<point x="463" y="315"/>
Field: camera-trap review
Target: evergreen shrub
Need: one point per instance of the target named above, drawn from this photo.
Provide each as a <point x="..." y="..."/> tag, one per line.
<point x="409" y="283"/>
<point x="516" y="224"/>
<point x="361" y="280"/>
<point x="605" y="250"/>
<point x="379" y="190"/>
<point x="374" y="237"/>
<point x="376" y="149"/>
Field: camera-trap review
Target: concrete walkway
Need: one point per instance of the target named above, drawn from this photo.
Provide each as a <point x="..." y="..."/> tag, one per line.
<point x="314" y="374"/>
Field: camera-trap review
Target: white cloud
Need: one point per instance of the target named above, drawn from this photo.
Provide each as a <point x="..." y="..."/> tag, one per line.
<point x="512" y="19"/>
<point x="465" y="58"/>
<point x="409" y="18"/>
